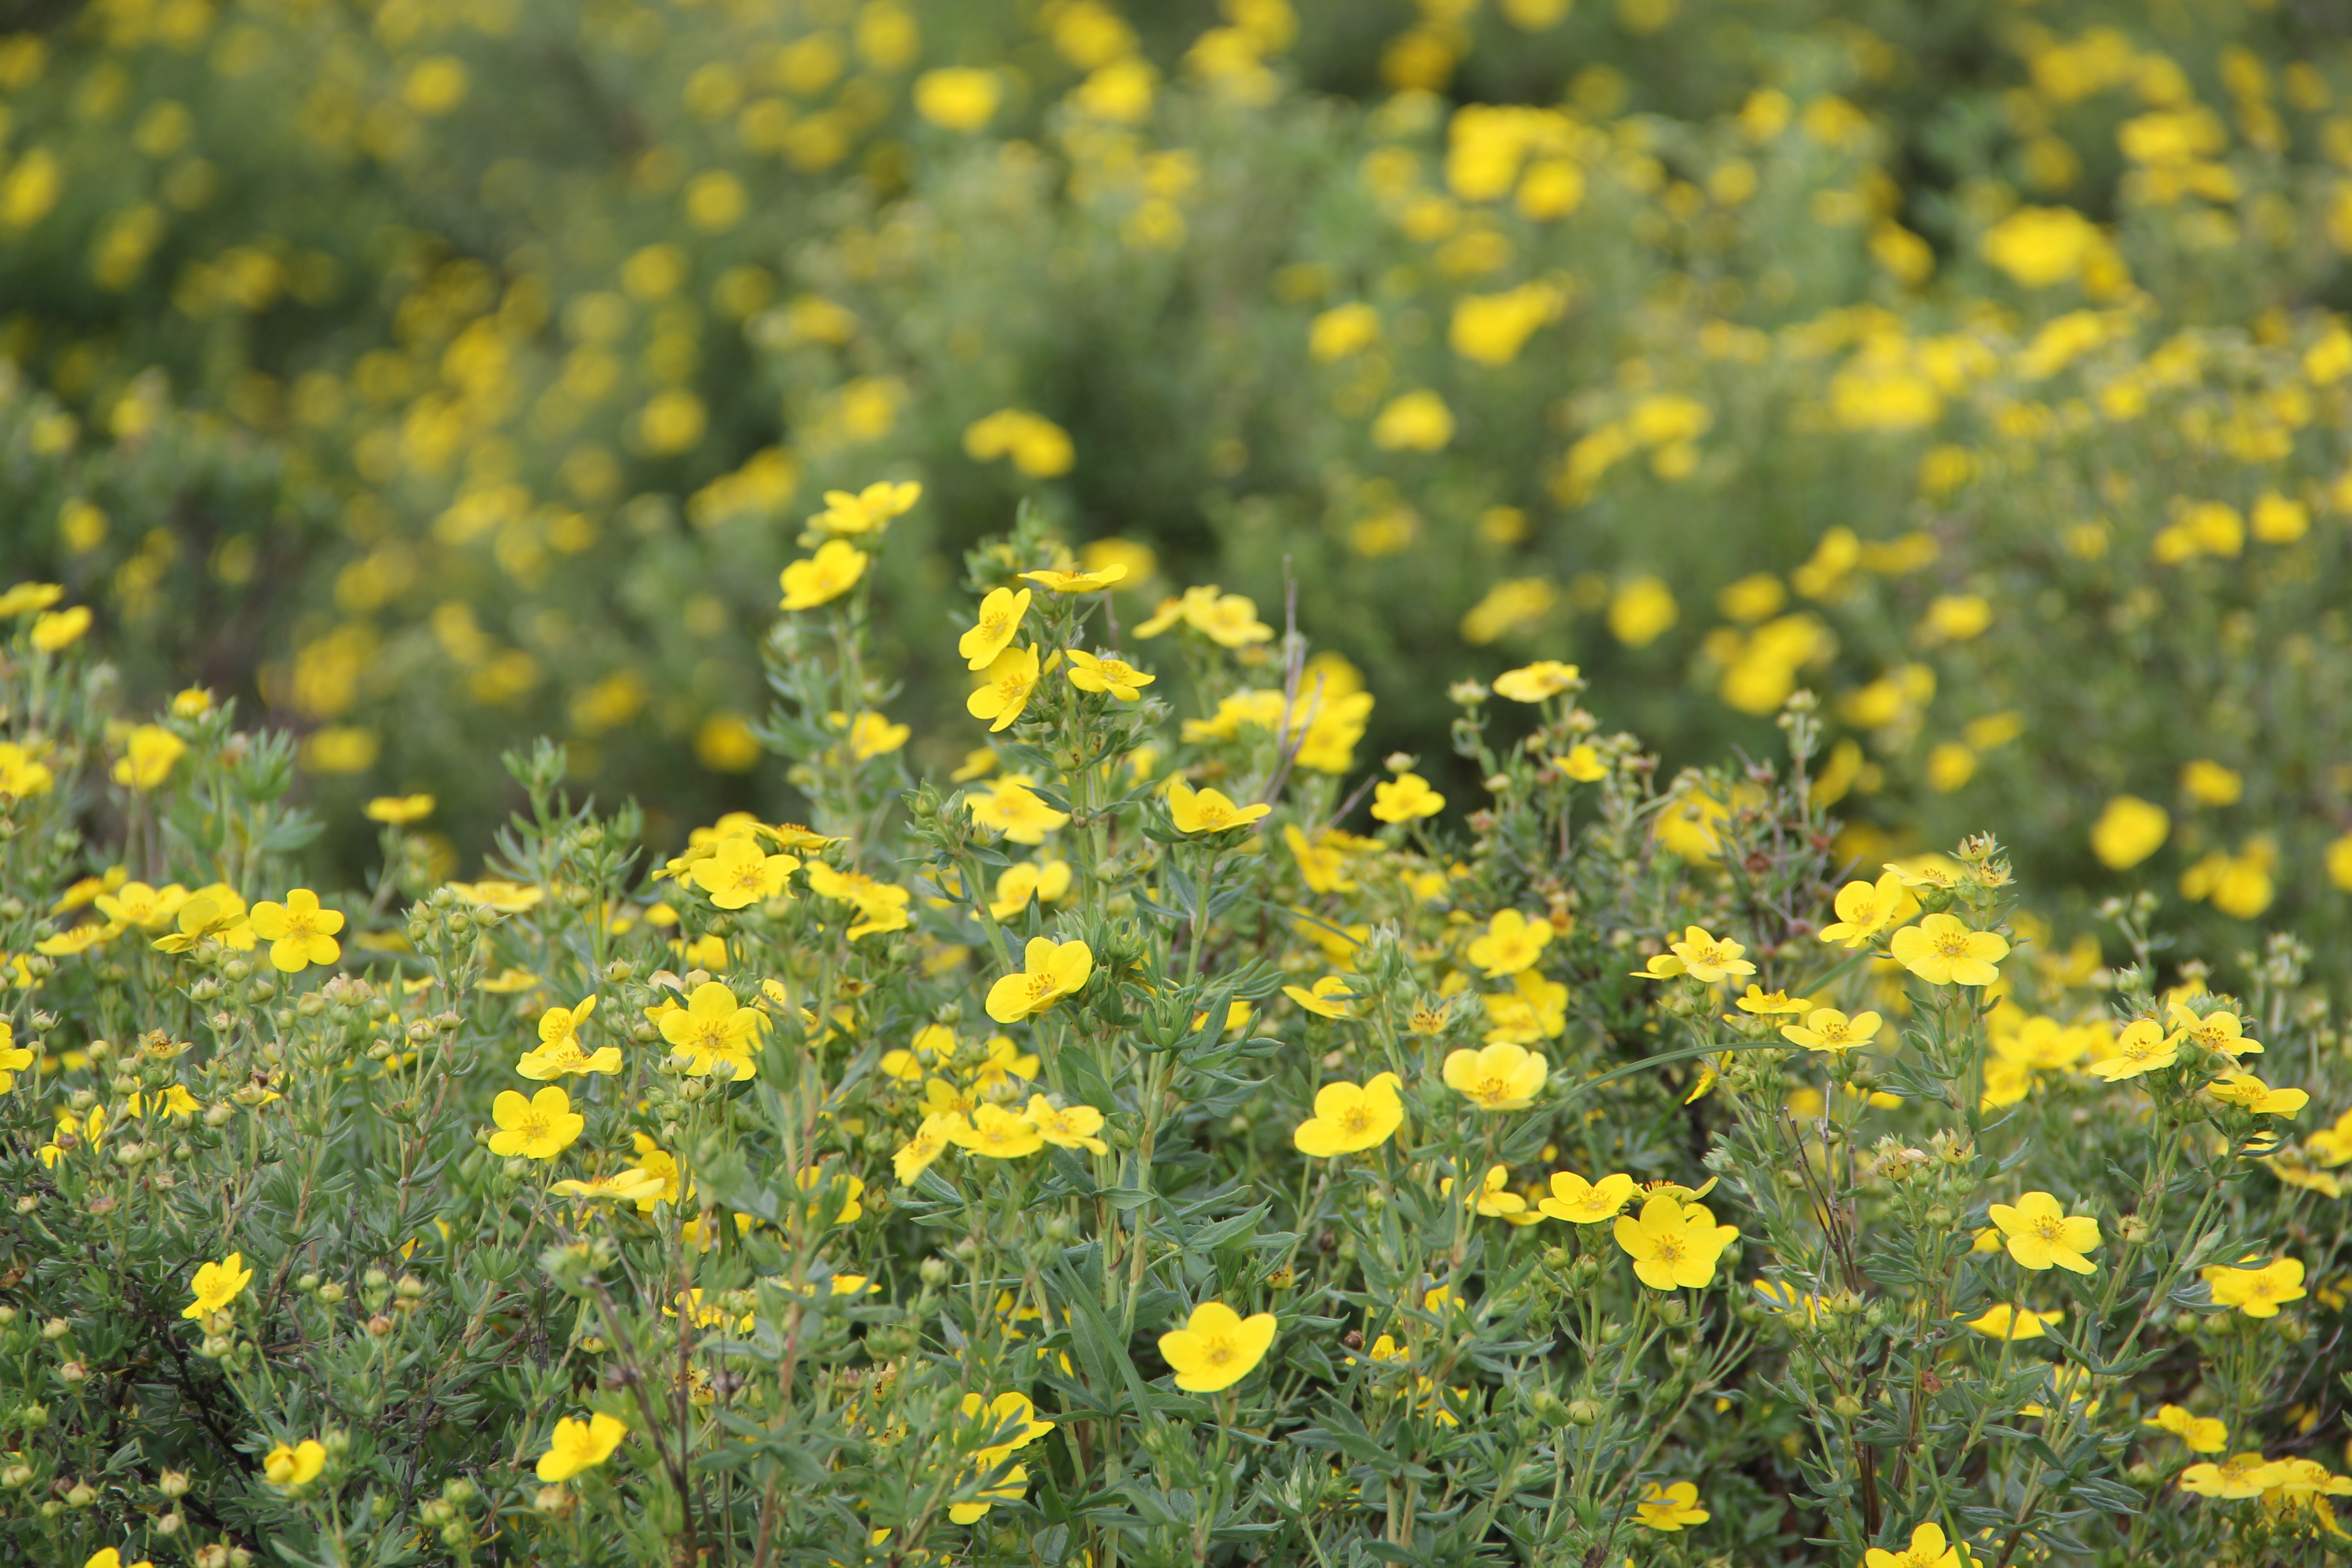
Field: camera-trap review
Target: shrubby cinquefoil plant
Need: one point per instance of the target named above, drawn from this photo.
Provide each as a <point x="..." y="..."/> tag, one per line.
<point x="1101" y="1155"/>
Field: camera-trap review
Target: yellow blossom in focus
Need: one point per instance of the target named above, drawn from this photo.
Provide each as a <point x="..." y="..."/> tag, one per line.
<point x="1217" y="1347"/>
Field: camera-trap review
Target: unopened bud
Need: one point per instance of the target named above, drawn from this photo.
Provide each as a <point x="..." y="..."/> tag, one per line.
<point x="171" y="1483"/>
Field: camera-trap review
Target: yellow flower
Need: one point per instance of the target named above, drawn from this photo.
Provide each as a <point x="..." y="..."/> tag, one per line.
<point x="137" y="904"/>
<point x="1406" y="799"/>
<point x="1327" y="999"/>
<point x="1580" y="1202"/>
<point x="1066" y="1127"/>
<point x="2256" y="1293"/>
<point x="1672" y="1245"/>
<point x="631" y="1185"/>
<point x="577" y="1445"/>
<point x="111" y="1557"/>
<point x="1942" y="951"/>
<point x="2251" y="1094"/>
<point x="1534" y="682"/>
<point x="991" y="634"/>
<point x="290" y="1470"/>
<point x="1208" y="810"/>
<point x="55" y="630"/>
<point x="739" y="873"/>
<point x="1503" y="1076"/>
<point x="1827" y="1029"/>
<point x="867" y="509"/>
<point x="1582" y="763"/>
<point x="1217" y="1347"/>
<point x="931" y="1139"/>
<point x="881" y="905"/>
<point x="2129" y="831"/>
<point x="148" y="756"/>
<point x="823" y="577"/>
<point x="1865" y="909"/>
<point x="718" y="1033"/>
<point x="1011" y="1416"/>
<point x="872" y="735"/>
<point x="2142" y="1046"/>
<point x="2219" y="1030"/>
<point x="1016" y="810"/>
<point x="1090" y="673"/>
<point x="2198" y="1434"/>
<point x="1050" y="971"/>
<point x="958" y="98"/>
<point x="215" y="1285"/>
<point x="1077" y="582"/>
<point x="299" y="933"/>
<point x="2332" y="1145"/>
<point x="1758" y="999"/>
<point x="24" y="598"/>
<point x="560" y="1052"/>
<point x="21" y="775"/>
<point x="1027" y="879"/>
<point x="851" y="1189"/>
<point x="1928" y="1548"/>
<point x="2238" y="1476"/>
<point x="1012" y="677"/>
<point x="997" y="1134"/>
<point x="1670" y="1508"/>
<point x="2038" y="1232"/>
<point x="539" y="1128"/>
<point x="1708" y="960"/>
<point x="2003" y="1322"/>
<point x="1511" y="943"/>
<point x="397" y="810"/>
<point x="1349" y="1119"/>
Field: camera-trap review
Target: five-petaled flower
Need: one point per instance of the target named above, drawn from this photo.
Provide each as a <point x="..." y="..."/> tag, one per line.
<point x="719" y="1034"/>
<point x="823" y="577"/>
<point x="1405" y="798"/>
<point x="291" y="1469"/>
<point x="1943" y="949"/>
<point x="1674" y="1245"/>
<point x="741" y="872"/>
<point x="1928" y="1548"/>
<point x="1580" y="1202"/>
<point x="1827" y="1029"/>
<point x="299" y="933"/>
<point x="2038" y="1233"/>
<point x="1501" y="1077"/>
<point x="1217" y="1347"/>
<point x="1050" y="971"/>
<point x="1510" y="942"/>
<point x="1208" y="810"/>
<point x="1349" y="1119"/>
<point x="539" y="1128"/>
<point x="1865" y="909"/>
<point x="1669" y="1507"/>
<point x="215" y="1285"/>
<point x="1012" y="677"/>
<point x="991" y="634"/>
<point x="2255" y="1291"/>
<point x="1326" y="999"/>
<point x="1705" y="959"/>
<point x="1121" y="679"/>
<point x="577" y="1445"/>
<point x="1534" y="682"/>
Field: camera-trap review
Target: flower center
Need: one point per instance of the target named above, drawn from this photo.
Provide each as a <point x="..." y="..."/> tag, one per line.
<point x="1213" y="816"/>
<point x="1669" y="1250"/>
<point x="1217" y="1352"/>
<point x="2049" y="1229"/>
<point x="1041" y="986"/>
<point x="533" y="1127"/>
<point x="1953" y="944"/>
<point x="1355" y="1121"/>
<point x="1491" y="1089"/>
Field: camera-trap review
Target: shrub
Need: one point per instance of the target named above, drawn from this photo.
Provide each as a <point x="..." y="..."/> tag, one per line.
<point x="1100" y="1155"/>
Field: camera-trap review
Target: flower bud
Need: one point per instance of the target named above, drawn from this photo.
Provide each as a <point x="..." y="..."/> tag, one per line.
<point x="56" y="1329"/>
<point x="33" y="1417"/>
<point x="2133" y="1228"/>
<point x="1847" y="1405"/>
<point x="1585" y="1411"/>
<point x="172" y="1523"/>
<point x="16" y="1476"/>
<point x="379" y="1325"/>
<point x="330" y="1292"/>
<point x="171" y="1483"/>
<point x="73" y="1372"/>
<point x="457" y="1490"/>
<point x="81" y="1495"/>
<point x="375" y="1280"/>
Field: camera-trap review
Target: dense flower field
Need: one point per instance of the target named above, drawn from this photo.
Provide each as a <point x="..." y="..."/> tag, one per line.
<point x="1342" y="906"/>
